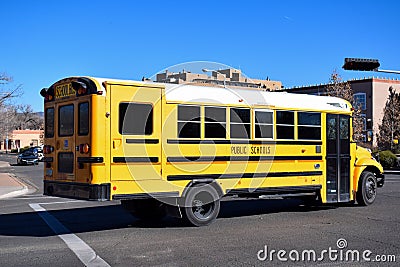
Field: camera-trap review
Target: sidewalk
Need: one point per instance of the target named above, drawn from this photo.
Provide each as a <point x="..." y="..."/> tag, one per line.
<point x="10" y="186"/>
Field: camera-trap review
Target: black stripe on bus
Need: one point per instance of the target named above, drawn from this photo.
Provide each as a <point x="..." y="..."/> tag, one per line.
<point x="241" y="175"/>
<point x="47" y="159"/>
<point x="90" y="159"/>
<point x="243" y="142"/>
<point x="142" y="141"/>
<point x="240" y="158"/>
<point x="272" y="190"/>
<point x="156" y="195"/>
<point x="134" y="159"/>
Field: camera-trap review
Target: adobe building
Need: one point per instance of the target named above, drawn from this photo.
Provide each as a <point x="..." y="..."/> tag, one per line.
<point x="370" y="93"/>
<point x="22" y="138"/>
<point x="229" y="77"/>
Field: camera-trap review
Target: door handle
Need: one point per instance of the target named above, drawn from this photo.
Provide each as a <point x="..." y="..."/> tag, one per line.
<point x="116" y="143"/>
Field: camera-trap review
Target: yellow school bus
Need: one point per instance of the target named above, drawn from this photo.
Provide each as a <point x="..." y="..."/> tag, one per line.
<point x="179" y="149"/>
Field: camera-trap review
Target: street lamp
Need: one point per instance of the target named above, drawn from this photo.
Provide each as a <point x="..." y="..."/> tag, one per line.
<point x="364" y="64"/>
<point x="207" y="70"/>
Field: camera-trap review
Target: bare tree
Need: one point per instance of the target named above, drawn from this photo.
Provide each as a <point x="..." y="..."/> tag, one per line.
<point x="27" y="119"/>
<point x="7" y="93"/>
<point x="7" y="109"/>
<point x="339" y="88"/>
<point x="389" y="129"/>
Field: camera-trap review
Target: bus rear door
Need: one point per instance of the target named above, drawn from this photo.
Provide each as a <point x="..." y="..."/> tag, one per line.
<point x="72" y="141"/>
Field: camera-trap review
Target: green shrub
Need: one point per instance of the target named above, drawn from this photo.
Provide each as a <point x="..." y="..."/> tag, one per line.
<point x="388" y="159"/>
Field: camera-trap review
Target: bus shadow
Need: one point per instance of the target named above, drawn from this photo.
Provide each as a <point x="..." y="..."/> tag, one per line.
<point x="110" y="217"/>
<point x="250" y="207"/>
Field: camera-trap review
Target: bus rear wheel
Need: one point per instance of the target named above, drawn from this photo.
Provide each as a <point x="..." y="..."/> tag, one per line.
<point x="201" y="205"/>
<point x="367" y="189"/>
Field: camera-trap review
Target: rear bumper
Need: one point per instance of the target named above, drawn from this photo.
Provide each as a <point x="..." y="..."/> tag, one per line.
<point x="27" y="161"/>
<point x="99" y="192"/>
<point x="380" y="179"/>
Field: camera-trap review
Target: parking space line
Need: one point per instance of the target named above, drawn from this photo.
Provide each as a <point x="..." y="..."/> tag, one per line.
<point x="82" y="250"/>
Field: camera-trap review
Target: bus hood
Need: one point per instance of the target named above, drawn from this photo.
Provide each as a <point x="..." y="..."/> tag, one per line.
<point x="365" y="158"/>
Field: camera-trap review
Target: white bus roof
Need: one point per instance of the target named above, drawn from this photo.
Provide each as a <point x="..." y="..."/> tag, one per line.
<point x="192" y="94"/>
<point x="252" y="97"/>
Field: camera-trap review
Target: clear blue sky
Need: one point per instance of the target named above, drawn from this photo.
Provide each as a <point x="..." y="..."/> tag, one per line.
<point x="296" y="42"/>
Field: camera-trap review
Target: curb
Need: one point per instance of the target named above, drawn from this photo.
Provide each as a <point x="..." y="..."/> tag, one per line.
<point x="391" y="172"/>
<point x="24" y="190"/>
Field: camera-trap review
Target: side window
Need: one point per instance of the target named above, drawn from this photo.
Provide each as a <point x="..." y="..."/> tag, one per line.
<point x="83" y="117"/>
<point x="135" y="119"/>
<point x="309" y="125"/>
<point x="215" y="122"/>
<point x="189" y="121"/>
<point x="285" y="125"/>
<point x="240" y="123"/>
<point x="66" y="120"/>
<point x="49" y="119"/>
<point x="264" y="124"/>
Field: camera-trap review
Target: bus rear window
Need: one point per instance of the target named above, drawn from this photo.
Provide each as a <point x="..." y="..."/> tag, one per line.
<point x="66" y="120"/>
<point x="83" y="115"/>
<point x="65" y="162"/>
<point x="49" y="121"/>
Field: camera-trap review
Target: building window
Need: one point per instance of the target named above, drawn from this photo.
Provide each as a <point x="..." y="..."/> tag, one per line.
<point x="360" y="100"/>
<point x="285" y="125"/>
<point x="309" y="125"/>
<point x="264" y="124"/>
<point x="189" y="121"/>
<point x="240" y="123"/>
<point x="364" y="121"/>
<point x="215" y="122"/>
<point x="135" y="119"/>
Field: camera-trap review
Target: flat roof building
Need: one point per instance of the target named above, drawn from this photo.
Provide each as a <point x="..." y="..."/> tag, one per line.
<point x="21" y="138"/>
<point x="229" y="77"/>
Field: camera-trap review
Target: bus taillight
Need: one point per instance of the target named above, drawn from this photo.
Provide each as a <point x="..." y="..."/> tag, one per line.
<point x="47" y="149"/>
<point x="81" y="91"/>
<point x="84" y="148"/>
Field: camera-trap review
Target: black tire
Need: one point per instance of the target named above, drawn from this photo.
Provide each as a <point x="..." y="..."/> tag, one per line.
<point x="367" y="189"/>
<point x="145" y="209"/>
<point x="201" y="205"/>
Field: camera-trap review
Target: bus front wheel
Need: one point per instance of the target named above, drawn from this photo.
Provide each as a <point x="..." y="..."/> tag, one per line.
<point x="201" y="205"/>
<point x="367" y="189"/>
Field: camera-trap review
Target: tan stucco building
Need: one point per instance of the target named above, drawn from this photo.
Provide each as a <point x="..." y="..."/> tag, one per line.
<point x="229" y="77"/>
<point x="22" y="138"/>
